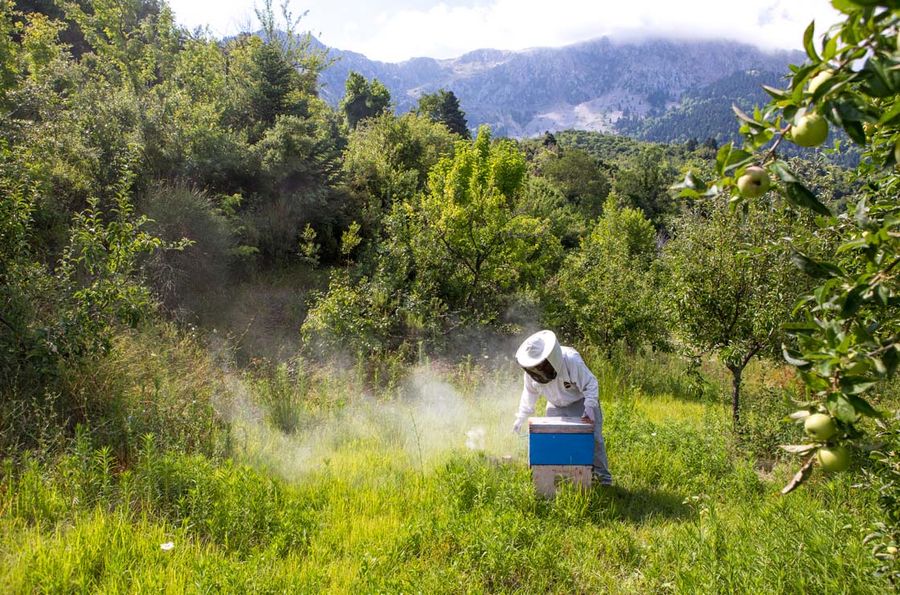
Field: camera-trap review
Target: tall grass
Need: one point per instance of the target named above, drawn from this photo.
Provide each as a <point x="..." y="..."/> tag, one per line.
<point x="369" y="505"/>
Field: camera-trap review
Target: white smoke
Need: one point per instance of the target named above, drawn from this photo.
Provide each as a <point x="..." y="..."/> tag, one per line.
<point x="425" y="423"/>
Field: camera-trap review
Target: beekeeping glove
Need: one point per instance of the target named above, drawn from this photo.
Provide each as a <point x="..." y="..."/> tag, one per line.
<point x="517" y="425"/>
<point x="590" y="414"/>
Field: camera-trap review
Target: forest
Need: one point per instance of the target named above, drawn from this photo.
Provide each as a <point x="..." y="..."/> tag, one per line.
<point x="252" y="342"/>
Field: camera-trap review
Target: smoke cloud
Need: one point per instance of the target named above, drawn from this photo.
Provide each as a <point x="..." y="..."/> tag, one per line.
<point x="428" y="421"/>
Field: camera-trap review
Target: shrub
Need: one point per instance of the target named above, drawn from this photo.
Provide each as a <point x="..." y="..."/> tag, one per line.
<point x="193" y="280"/>
<point x="608" y="290"/>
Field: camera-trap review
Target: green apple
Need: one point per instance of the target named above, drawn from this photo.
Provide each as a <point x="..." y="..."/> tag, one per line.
<point x="810" y="130"/>
<point x="816" y="81"/>
<point x="834" y="459"/>
<point x="754" y="182"/>
<point x="820" y="427"/>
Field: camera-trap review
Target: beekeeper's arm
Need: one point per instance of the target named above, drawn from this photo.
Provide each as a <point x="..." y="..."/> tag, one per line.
<point x="585" y="379"/>
<point x="529" y="399"/>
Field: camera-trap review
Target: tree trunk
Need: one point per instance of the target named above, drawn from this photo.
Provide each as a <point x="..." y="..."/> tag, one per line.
<point x="736" y="394"/>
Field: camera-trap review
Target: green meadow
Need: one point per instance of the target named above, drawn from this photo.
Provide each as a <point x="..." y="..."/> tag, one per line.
<point x="381" y="494"/>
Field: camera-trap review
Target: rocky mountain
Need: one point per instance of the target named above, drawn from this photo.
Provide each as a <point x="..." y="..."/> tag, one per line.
<point x="654" y="88"/>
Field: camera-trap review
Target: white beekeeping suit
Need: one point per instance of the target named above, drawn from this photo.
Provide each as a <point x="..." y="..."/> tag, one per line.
<point x="571" y="390"/>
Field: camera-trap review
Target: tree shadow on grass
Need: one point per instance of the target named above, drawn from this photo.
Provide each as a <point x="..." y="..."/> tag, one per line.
<point x="639" y="506"/>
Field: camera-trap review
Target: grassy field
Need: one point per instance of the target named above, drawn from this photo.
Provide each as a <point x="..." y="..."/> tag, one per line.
<point x="426" y="490"/>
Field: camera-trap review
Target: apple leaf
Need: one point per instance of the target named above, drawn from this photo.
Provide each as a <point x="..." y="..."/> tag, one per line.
<point x="783" y="172"/>
<point x="853" y="385"/>
<point x="799" y="477"/>
<point x="776" y="93"/>
<point x="813" y="268"/>
<point x="798" y="449"/>
<point x="841" y="408"/>
<point x="808" y="42"/>
<point x="829" y="47"/>
<point x="891" y="116"/>
<point x="853" y="300"/>
<point x="800" y="195"/>
<point x="799" y="78"/>
<point x="798" y="415"/>
<point x="793" y="358"/>
<point x="880" y="80"/>
<point x="863" y="406"/>
<point x="746" y="119"/>
<point x="844" y="6"/>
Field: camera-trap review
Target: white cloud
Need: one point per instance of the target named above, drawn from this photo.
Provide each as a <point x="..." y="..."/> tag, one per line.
<point x="394" y="30"/>
<point x="447" y="31"/>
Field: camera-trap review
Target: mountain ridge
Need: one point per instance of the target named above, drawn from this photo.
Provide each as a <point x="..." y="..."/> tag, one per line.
<point x="605" y="84"/>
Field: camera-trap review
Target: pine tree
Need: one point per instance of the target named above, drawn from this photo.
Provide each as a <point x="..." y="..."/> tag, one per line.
<point x="443" y="106"/>
<point x="272" y="85"/>
<point x="363" y="99"/>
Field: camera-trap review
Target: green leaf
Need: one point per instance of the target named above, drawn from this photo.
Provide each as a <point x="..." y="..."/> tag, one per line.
<point x="841" y="408"/>
<point x="891" y="116"/>
<point x="829" y="47"/>
<point x="722" y="158"/>
<point x="777" y="94"/>
<point x="799" y="78"/>
<point x="691" y="181"/>
<point x="844" y="6"/>
<point x="815" y="382"/>
<point x="853" y="300"/>
<point x="742" y="116"/>
<point x="853" y="385"/>
<point x="808" y="42"/>
<point x="799" y="195"/>
<point x="793" y="358"/>
<point x="783" y="172"/>
<point x="852" y="245"/>
<point x="739" y="158"/>
<point x="819" y="270"/>
<point x="855" y="131"/>
<point x="863" y="406"/>
<point x="879" y="79"/>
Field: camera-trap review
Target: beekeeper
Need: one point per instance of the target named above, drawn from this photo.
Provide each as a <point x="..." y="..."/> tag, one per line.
<point x="571" y="390"/>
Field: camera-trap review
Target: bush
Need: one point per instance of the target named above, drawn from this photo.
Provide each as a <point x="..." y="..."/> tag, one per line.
<point x="64" y="321"/>
<point x="608" y="290"/>
<point x="195" y="279"/>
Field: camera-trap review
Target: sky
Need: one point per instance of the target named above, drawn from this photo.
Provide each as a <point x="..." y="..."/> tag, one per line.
<point x="396" y="30"/>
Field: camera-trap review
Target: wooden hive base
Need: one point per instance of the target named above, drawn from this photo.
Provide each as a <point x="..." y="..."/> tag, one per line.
<point x="547" y="477"/>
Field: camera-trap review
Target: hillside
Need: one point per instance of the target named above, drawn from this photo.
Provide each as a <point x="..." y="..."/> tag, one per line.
<point x="601" y="85"/>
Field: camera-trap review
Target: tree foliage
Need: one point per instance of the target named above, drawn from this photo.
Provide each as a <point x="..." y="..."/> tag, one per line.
<point x="607" y="291"/>
<point x="643" y="183"/>
<point x="363" y="99"/>
<point x="732" y="286"/>
<point x="469" y="241"/>
<point x="847" y="329"/>
<point x="388" y="158"/>
<point x="578" y="176"/>
<point x="453" y="255"/>
<point x="443" y="106"/>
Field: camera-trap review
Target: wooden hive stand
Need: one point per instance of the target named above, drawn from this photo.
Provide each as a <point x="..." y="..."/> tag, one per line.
<point x="560" y="449"/>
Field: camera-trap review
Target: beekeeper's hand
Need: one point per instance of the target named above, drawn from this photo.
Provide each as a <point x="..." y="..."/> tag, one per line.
<point x="517" y="425"/>
<point x="589" y="414"/>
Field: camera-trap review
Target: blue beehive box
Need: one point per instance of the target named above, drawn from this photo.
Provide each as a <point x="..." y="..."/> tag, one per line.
<point x="560" y="441"/>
